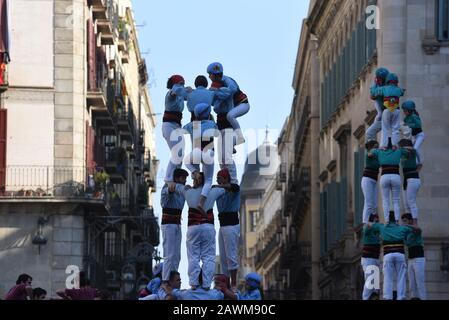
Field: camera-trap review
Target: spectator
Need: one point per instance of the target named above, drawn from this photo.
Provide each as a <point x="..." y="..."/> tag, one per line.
<point x="22" y="290"/>
<point x="85" y="292"/>
<point x="39" y="294"/>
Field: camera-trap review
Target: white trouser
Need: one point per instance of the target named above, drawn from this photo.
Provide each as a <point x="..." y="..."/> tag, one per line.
<point x="150" y="297"/>
<point x="391" y="123"/>
<point x="236" y="112"/>
<point x="225" y="152"/>
<point x="394" y="267"/>
<point x="171" y="243"/>
<point x="206" y="158"/>
<point x="373" y="130"/>
<point x="201" y="247"/>
<point x="174" y="137"/>
<point x="417" y="278"/>
<point x="419" y="139"/>
<point x="228" y="246"/>
<point x="368" y="272"/>
<point x="391" y="186"/>
<point x="410" y="195"/>
<point x="369" y="189"/>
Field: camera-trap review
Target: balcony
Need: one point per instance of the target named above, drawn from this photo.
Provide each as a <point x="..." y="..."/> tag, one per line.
<point x="151" y="226"/>
<point x="56" y="184"/>
<point x="97" y="3"/>
<point x="104" y="22"/>
<point x="295" y="254"/>
<point x="99" y="9"/>
<point x="126" y="122"/>
<point x="302" y="194"/>
<point x="116" y="165"/>
<point x="127" y="199"/>
<point x="123" y="36"/>
<point x="271" y="247"/>
<point x="143" y="73"/>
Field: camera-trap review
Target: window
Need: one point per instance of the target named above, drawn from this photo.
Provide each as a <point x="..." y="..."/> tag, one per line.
<point x="442" y="20"/>
<point x="253" y="218"/>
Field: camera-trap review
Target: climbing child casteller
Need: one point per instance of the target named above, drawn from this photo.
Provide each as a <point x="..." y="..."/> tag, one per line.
<point x="171" y="126"/>
<point x="239" y="99"/>
<point x="413" y="121"/>
<point x="202" y="132"/>
<point x="379" y="82"/>
<point x="391" y="116"/>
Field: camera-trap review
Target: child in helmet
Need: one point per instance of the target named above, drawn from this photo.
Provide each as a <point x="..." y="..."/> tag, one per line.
<point x="391" y="116"/>
<point x="237" y="104"/>
<point x="252" y="286"/>
<point x="379" y="82"/>
<point x="413" y="121"/>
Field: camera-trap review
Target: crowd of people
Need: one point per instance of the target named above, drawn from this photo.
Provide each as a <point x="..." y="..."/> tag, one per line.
<point x="23" y="290"/>
<point x="389" y="157"/>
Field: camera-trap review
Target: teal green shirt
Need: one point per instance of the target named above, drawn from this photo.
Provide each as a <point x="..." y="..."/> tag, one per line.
<point x="413" y="121"/>
<point x="370" y="236"/>
<point x="392" y="232"/>
<point x="414" y="239"/>
<point x="372" y="163"/>
<point x="390" y="157"/>
<point x="409" y="162"/>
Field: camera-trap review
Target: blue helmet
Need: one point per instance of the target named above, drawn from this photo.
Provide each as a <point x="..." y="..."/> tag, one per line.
<point x="202" y="110"/>
<point x="409" y="105"/>
<point x="392" y="77"/>
<point x="215" y="68"/>
<point x="253" y="279"/>
<point x="382" y="73"/>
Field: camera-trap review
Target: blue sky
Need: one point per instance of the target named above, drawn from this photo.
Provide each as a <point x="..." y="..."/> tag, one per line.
<point x="256" y="41"/>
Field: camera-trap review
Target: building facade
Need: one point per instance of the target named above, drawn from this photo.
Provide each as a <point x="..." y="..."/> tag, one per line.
<point x="79" y="154"/>
<point x="258" y="177"/>
<point x="322" y="144"/>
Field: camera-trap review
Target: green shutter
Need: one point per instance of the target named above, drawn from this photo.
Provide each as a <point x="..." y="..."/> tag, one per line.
<point x="343" y="208"/>
<point x="322" y="224"/>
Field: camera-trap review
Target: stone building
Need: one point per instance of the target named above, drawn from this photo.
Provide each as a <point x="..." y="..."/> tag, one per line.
<point x="321" y="146"/>
<point x="79" y="158"/>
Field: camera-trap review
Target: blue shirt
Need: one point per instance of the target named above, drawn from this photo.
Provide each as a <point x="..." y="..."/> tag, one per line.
<point x="201" y="130"/>
<point x="200" y="95"/>
<point x="175" y="103"/>
<point x="173" y="200"/>
<point x="153" y="285"/>
<point x="193" y="195"/>
<point x="198" y="294"/>
<point x="250" y="295"/>
<point x="226" y="98"/>
<point x="229" y="202"/>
